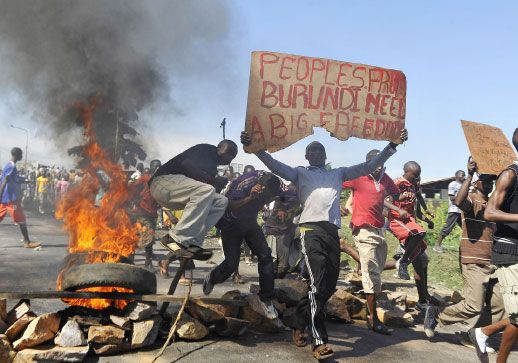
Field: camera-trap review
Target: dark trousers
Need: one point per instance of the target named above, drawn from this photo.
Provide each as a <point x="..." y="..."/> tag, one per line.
<point x="321" y="248"/>
<point x="451" y="219"/>
<point x="232" y="235"/>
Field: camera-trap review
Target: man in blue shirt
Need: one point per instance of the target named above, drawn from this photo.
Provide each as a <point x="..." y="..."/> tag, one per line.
<point x="11" y="193"/>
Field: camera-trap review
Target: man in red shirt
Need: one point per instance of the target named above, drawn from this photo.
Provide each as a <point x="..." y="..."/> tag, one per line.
<point x="370" y="194"/>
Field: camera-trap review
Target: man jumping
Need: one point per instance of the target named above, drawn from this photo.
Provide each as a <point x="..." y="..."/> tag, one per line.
<point x="319" y="190"/>
<point x="11" y="200"/>
<point x="190" y="182"/>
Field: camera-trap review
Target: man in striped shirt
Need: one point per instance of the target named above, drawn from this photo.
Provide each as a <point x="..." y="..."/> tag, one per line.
<point x="475" y="257"/>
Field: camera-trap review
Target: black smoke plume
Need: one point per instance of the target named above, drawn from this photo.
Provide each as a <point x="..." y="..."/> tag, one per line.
<point x="125" y="52"/>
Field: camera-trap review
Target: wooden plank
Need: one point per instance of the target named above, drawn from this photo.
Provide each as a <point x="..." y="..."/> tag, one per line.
<point x="112" y="295"/>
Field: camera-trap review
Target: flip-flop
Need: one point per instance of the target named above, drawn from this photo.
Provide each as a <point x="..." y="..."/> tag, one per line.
<point x="323" y="352"/>
<point x="180" y="251"/>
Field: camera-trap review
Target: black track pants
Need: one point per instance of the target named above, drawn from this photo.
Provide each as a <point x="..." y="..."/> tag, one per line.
<point x="321" y="248"/>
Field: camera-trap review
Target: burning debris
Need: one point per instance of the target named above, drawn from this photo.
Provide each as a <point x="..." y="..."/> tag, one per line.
<point x="95" y="217"/>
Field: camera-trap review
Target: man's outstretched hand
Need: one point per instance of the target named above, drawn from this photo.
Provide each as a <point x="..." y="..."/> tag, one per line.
<point x="402" y="138"/>
<point x="245" y="138"/>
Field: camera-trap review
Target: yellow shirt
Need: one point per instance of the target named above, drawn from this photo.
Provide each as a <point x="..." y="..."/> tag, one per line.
<point x="42" y="184"/>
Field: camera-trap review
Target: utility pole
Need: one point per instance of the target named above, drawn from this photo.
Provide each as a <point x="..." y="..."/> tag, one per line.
<point x="223" y="124"/>
<point x="26" y="144"/>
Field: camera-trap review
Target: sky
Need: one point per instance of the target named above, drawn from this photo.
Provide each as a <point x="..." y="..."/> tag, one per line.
<point x="459" y="58"/>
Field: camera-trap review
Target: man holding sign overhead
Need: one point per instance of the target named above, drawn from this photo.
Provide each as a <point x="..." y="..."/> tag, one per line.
<point x="288" y="95"/>
<point x="319" y="192"/>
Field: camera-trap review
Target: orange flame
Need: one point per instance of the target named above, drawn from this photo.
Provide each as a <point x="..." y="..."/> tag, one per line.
<point x="105" y="227"/>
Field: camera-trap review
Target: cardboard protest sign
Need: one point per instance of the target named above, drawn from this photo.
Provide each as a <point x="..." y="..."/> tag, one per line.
<point x="489" y="147"/>
<point x="288" y="95"/>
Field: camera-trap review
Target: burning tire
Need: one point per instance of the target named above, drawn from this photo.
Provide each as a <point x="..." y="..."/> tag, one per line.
<point x="109" y="275"/>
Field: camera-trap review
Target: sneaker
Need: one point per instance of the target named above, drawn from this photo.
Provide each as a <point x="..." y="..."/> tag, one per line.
<point x="430" y="322"/>
<point x="482" y="356"/>
<point x="402" y="270"/>
<point x="465" y="341"/>
<point x="31" y="244"/>
<point x="207" y="285"/>
<point x="438" y="249"/>
<point x="269" y="310"/>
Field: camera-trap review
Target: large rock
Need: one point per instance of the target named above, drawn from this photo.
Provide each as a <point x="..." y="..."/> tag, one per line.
<point x="40" y="330"/>
<point x="258" y="321"/>
<point x="110" y="349"/>
<point x="121" y="321"/>
<point x="70" y="335"/>
<point x="191" y="329"/>
<point x="336" y="308"/>
<point x="231" y="327"/>
<point x="3" y="309"/>
<point x="232" y="311"/>
<point x="354" y="279"/>
<point x="55" y="354"/>
<point x="208" y="314"/>
<point x="19" y="310"/>
<point x="261" y="323"/>
<point x="105" y="334"/>
<point x="19" y="326"/>
<point x="390" y="300"/>
<point x="289" y="291"/>
<point x="145" y="332"/>
<point x="138" y="311"/>
<point x="356" y="307"/>
<point x="7" y="352"/>
<point x="85" y="322"/>
<point x="395" y="318"/>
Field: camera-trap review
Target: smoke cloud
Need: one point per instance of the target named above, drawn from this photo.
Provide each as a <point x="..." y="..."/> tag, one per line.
<point x="57" y="52"/>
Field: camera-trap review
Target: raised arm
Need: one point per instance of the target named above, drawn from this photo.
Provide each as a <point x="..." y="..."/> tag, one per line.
<point x="368" y="167"/>
<point x="275" y="166"/>
<point x="462" y="195"/>
<point x="355" y="171"/>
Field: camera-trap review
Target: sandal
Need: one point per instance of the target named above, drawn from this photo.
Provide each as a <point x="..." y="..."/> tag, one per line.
<point x="322" y="352"/>
<point x="299" y="338"/>
<point x="379" y="328"/>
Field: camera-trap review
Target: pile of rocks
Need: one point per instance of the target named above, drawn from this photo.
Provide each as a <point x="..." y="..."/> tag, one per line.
<point x="69" y="335"/>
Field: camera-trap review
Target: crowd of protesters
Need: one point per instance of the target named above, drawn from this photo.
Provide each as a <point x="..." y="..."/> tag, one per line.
<point x="302" y="216"/>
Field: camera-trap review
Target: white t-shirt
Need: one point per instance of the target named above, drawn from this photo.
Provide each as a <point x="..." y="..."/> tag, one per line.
<point x="453" y="189"/>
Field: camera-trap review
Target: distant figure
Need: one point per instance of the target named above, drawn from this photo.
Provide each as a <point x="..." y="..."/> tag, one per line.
<point x="454" y="212"/>
<point x="11" y="197"/>
<point x="137" y="173"/>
